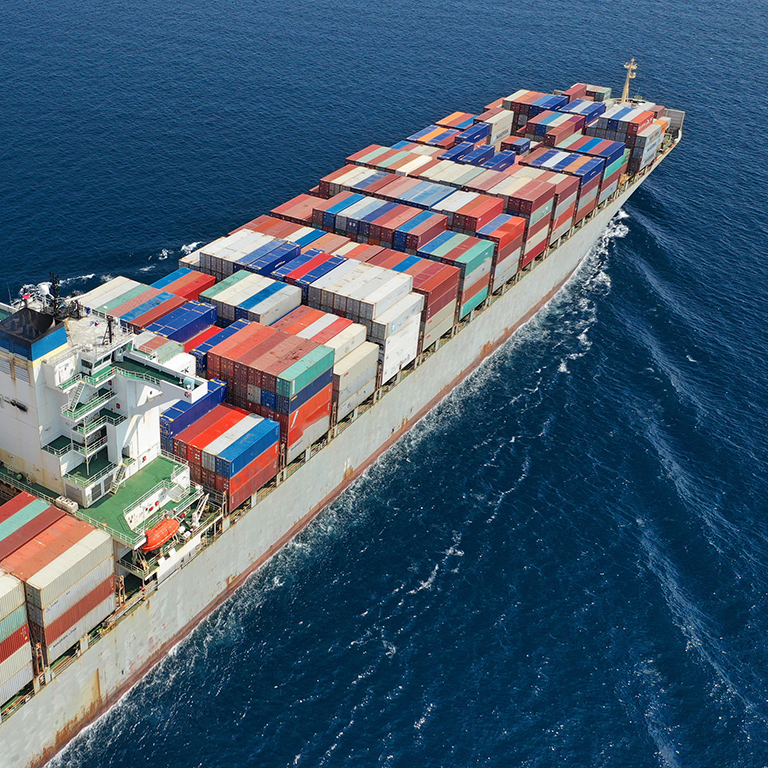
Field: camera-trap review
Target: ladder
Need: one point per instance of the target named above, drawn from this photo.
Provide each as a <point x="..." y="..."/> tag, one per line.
<point x="77" y="392"/>
<point x="117" y="479"/>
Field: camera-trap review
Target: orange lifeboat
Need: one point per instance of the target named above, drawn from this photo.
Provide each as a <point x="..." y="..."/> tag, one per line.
<point x="162" y="532"/>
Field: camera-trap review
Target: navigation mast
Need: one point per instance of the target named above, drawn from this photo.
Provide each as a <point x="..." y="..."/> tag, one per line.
<point x="631" y="68"/>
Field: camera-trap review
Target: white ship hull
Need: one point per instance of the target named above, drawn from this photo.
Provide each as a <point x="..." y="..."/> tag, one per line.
<point x="96" y="679"/>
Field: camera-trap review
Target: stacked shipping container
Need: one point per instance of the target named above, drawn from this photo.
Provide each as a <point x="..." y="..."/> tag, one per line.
<point x="230" y="452"/>
<point x="67" y="568"/>
<point x="280" y="377"/>
<point x="15" y="650"/>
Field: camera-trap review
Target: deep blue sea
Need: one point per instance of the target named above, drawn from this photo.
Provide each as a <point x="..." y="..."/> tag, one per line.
<point x="566" y="562"/>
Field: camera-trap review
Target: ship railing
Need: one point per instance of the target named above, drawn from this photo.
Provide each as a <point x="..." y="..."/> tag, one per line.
<point x="82" y="410"/>
<point x="58" y="451"/>
<point x="89" y="449"/>
<point x="86" y="482"/>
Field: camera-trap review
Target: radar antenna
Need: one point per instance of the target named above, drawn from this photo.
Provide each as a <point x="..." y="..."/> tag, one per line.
<point x="631" y="68"/>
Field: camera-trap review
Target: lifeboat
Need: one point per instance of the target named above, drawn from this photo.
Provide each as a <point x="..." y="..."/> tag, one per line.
<point x="162" y="532"/>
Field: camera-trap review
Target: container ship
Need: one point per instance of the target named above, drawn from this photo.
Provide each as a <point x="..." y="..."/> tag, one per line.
<point x="160" y="442"/>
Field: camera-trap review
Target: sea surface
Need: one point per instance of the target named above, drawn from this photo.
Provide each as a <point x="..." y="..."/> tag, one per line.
<point x="566" y="562"/>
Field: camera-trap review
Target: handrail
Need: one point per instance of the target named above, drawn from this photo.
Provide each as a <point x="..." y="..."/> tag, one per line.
<point x="88" y="481"/>
<point x="58" y="451"/>
<point x="90" y="405"/>
<point x="89" y="450"/>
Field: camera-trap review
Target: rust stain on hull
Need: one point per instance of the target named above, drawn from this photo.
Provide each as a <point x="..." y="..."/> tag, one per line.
<point x="65" y="735"/>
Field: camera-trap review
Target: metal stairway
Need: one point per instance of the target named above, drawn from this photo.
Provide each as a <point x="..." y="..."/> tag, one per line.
<point x="117" y="479"/>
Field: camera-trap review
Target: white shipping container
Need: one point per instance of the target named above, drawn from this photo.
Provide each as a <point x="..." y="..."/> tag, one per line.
<point x="11" y="594"/>
<point x="346" y="407"/>
<point x="93" y="296"/>
<point x="398" y="350"/>
<point x="72" y="635"/>
<point x="68" y="568"/>
<point x="12" y="686"/>
<point x="505" y="270"/>
<point x="73" y="595"/>
<point x="355" y="364"/>
<point x="15" y="662"/>
<point x="361" y="381"/>
<point x="345" y="341"/>
<point x="278" y="305"/>
<point x="231" y="436"/>
<point x="398" y="315"/>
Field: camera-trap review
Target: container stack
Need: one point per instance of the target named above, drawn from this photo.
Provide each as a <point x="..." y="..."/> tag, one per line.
<point x="646" y="145"/>
<point x="68" y="570"/>
<point x="566" y="198"/>
<point x="620" y="123"/>
<point x="458" y="120"/>
<point x="435" y="136"/>
<point x="186" y="322"/>
<point x="472" y="256"/>
<point x="280" y="377"/>
<point x="338" y="333"/>
<point x="297" y="210"/>
<point x="614" y="153"/>
<point x="437" y="283"/>
<point x="181" y="414"/>
<point x="200" y="351"/>
<point x="501" y="121"/>
<point x="576" y="92"/>
<point x="15" y="650"/>
<point x="356" y="360"/>
<point x="245" y="250"/>
<point x="534" y="201"/>
<point x="468" y="211"/>
<point x="184" y="282"/>
<point x="589" y="110"/>
<point x="310" y="266"/>
<point x="115" y="292"/>
<point x="248" y="296"/>
<point x="149" y="311"/>
<point x="231" y="452"/>
<point x="598" y="93"/>
<point x="549" y="127"/>
<point x="507" y="233"/>
<point x="527" y="104"/>
<point x="380" y="299"/>
<point x="588" y="170"/>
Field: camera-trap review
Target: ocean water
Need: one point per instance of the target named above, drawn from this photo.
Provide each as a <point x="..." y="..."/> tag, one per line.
<point x="566" y="562"/>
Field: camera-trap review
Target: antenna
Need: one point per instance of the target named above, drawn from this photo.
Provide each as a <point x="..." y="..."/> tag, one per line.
<point x="55" y="294"/>
<point x="631" y="68"/>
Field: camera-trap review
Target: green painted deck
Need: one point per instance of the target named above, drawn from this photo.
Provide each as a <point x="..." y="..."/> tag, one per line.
<point x="84" y="472"/>
<point x="108" y="512"/>
<point x="131" y="366"/>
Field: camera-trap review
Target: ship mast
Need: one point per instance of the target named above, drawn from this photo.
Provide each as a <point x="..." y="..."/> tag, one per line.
<point x="631" y="68"/>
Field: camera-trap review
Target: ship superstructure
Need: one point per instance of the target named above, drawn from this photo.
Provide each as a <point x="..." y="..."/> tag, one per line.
<point x="200" y="422"/>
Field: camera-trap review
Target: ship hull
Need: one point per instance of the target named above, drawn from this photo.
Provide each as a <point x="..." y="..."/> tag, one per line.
<point x="99" y="677"/>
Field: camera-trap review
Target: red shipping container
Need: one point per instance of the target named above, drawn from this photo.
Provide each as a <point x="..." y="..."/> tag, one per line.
<point x="156" y="313"/>
<point x="328" y="242"/>
<point x="363" y="152"/>
<point x="136" y="301"/>
<point x="201" y="337"/>
<point x="17" y="639"/>
<point x="41" y="551"/>
<point x="298" y="210"/>
<point x="16" y="504"/>
<point x="361" y="252"/>
<point x="29" y="531"/>
<point x="49" y="634"/>
<point x="427" y="230"/>
<point x="577" y="91"/>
